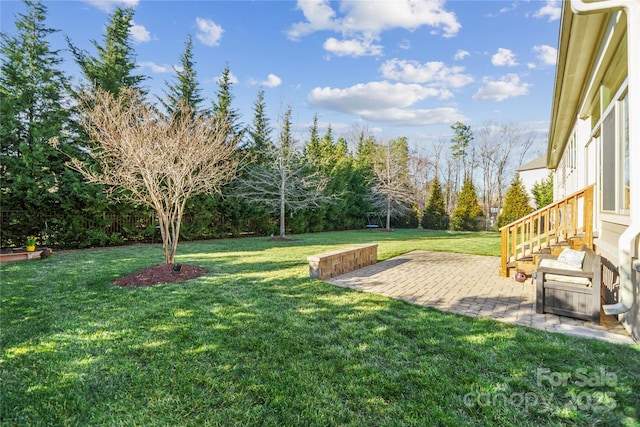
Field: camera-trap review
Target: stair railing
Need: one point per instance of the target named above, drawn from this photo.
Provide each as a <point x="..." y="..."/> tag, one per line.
<point x="552" y="224"/>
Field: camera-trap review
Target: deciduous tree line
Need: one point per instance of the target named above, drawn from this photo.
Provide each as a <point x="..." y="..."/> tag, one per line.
<point x="274" y="183"/>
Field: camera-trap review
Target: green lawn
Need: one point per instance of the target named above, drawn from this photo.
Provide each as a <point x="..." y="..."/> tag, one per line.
<point x="256" y="342"/>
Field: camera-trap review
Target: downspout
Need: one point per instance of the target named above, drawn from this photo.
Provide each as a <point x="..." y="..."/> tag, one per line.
<point x="627" y="241"/>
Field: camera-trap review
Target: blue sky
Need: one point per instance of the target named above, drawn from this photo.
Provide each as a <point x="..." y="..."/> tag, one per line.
<point x="399" y="68"/>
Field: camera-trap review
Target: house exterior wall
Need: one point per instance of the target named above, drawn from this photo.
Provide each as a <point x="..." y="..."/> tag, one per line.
<point x="593" y="143"/>
<point x="530" y="178"/>
<point x="576" y="168"/>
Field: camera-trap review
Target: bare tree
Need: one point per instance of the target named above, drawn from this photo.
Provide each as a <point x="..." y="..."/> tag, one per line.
<point x="487" y="150"/>
<point x="392" y="185"/>
<point x="160" y="161"/>
<point x="437" y="150"/>
<point x="419" y="173"/>
<point x="286" y="182"/>
<point x="502" y="149"/>
<point x="446" y="173"/>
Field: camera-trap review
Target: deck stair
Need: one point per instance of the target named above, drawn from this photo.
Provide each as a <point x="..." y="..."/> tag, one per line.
<point x="565" y="223"/>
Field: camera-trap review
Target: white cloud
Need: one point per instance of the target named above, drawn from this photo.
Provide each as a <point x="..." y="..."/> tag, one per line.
<point x="385" y="102"/>
<point x="546" y="54"/>
<point x="512" y="6"/>
<point x="366" y="20"/>
<point x="155" y="68"/>
<point x="110" y="5"/>
<point x="504" y="57"/>
<point x="507" y="86"/>
<point x="352" y="47"/>
<point x="364" y="96"/>
<point x="209" y="33"/>
<point x="551" y="9"/>
<point x="272" y="81"/>
<point x="461" y="54"/>
<point x="139" y="33"/>
<point x="429" y="72"/>
<point x="405" y="44"/>
<point x="412" y="117"/>
<point x="319" y="17"/>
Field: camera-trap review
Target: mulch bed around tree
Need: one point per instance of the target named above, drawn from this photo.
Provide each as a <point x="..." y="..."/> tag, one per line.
<point x="162" y="273"/>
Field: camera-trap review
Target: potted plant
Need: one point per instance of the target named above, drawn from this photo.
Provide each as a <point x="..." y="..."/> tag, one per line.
<point x="31" y="243"/>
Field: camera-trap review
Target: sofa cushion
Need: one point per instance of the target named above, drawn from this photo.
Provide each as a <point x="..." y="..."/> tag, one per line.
<point x="572" y="257"/>
<point x="568" y="279"/>
<point x="557" y="264"/>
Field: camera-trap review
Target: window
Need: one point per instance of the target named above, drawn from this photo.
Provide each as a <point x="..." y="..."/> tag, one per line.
<point x="609" y="162"/>
<point x="624" y="136"/>
<point x="614" y="155"/>
<point x="572" y="154"/>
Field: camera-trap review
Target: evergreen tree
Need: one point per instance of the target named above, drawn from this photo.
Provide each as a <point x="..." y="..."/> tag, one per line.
<point x="435" y="215"/>
<point x="365" y="150"/>
<point x="327" y="145"/>
<point x="111" y="69"/>
<point x="312" y="149"/>
<point x="543" y="192"/>
<point x="33" y="90"/>
<point x="201" y="209"/>
<point x="333" y="160"/>
<point x="222" y="108"/>
<point x="468" y="209"/>
<point x="260" y="149"/>
<point x="186" y="88"/>
<point x="260" y="143"/>
<point x="460" y="151"/>
<point x="516" y="203"/>
<point x="286" y="141"/>
<point x="227" y="212"/>
<point x="363" y="173"/>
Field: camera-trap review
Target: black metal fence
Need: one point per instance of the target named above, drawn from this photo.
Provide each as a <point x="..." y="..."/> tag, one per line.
<point x="109" y="229"/>
<point x="58" y="230"/>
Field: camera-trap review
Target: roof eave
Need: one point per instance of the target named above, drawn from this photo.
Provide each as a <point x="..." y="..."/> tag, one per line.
<point x="579" y="38"/>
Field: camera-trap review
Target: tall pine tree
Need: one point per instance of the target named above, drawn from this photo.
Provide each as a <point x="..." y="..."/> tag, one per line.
<point x="112" y="67"/>
<point x="313" y="149"/>
<point x="460" y="151"/>
<point x="222" y="106"/>
<point x="260" y="143"/>
<point x="185" y="89"/>
<point x="33" y="91"/>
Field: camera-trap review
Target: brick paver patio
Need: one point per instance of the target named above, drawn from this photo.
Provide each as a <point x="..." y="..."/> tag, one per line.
<point x="470" y="285"/>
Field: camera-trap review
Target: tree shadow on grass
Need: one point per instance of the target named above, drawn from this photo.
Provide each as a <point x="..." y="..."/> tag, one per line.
<point x="242" y="345"/>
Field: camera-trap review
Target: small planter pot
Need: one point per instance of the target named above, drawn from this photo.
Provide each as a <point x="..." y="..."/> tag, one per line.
<point x="46" y="253"/>
<point x="30" y="248"/>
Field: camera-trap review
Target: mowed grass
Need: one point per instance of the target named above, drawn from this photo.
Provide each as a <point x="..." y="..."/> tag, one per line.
<point x="256" y="342"/>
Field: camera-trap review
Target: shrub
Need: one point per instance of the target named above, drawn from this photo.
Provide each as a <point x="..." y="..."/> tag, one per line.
<point x="516" y="204"/>
<point x="435" y="215"/>
<point x="466" y="214"/>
